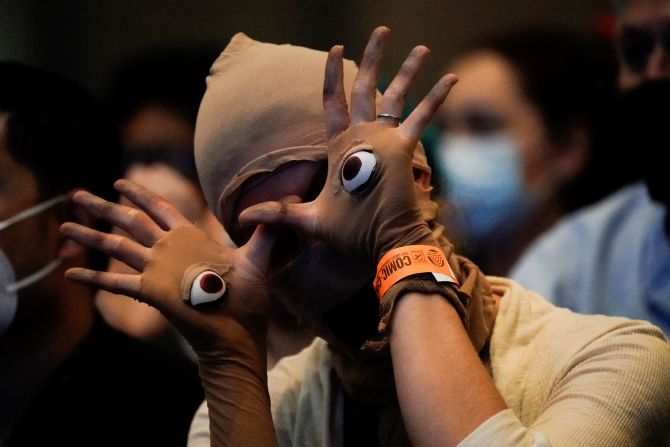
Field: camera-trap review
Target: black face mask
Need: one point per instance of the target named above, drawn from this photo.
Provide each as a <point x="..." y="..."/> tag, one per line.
<point x="646" y="134"/>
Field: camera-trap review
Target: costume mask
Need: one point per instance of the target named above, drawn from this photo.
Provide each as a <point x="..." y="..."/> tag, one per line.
<point x="484" y="183"/>
<point x="263" y="110"/>
<point x="9" y="286"/>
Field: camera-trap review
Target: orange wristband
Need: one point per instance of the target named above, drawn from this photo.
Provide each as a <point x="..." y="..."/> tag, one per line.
<point x="410" y="260"/>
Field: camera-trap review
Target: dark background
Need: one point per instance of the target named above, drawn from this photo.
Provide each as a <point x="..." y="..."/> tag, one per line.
<point x="87" y="40"/>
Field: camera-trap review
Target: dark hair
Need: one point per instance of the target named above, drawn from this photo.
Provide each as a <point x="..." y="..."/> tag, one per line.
<point x="571" y="78"/>
<point x="58" y="131"/>
<point x="172" y="77"/>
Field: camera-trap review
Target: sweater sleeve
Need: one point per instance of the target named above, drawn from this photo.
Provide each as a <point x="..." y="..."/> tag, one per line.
<point x="615" y="391"/>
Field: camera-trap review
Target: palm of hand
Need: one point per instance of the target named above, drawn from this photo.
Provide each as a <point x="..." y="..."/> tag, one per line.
<point x="369" y="215"/>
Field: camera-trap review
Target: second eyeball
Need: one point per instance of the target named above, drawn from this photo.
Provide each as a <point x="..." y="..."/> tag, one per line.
<point x="206" y="288"/>
<point x="357" y="170"/>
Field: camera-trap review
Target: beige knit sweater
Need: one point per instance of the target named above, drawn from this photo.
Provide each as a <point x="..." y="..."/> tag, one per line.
<point x="568" y="380"/>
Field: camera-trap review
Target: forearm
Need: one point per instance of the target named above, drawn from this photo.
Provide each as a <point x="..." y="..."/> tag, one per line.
<point x="444" y="390"/>
<point x="235" y="383"/>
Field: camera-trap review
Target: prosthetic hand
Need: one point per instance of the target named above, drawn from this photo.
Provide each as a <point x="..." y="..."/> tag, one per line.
<point x="368" y="206"/>
<point x="214" y="295"/>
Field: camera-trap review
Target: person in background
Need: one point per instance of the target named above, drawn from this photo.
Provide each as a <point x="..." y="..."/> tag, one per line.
<point x="527" y="137"/>
<point x="614" y="257"/>
<point x="66" y="378"/>
<point x="155" y="100"/>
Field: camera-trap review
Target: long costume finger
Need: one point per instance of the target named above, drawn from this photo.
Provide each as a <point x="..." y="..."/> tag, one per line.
<point x="122" y="284"/>
<point x="394" y="96"/>
<point x="301" y="216"/>
<point x="117" y="246"/>
<point x="417" y="121"/>
<point x="133" y="221"/>
<point x="154" y="205"/>
<point x="364" y="89"/>
<point x="334" y="99"/>
<point x="259" y="247"/>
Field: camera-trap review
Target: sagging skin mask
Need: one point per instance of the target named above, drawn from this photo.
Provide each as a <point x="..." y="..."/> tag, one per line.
<point x="252" y="127"/>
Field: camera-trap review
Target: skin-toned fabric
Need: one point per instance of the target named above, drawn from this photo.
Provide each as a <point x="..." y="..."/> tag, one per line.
<point x="228" y="336"/>
<point x="250" y="128"/>
<point x="249" y="125"/>
<point x="568" y="379"/>
<point x="379" y="215"/>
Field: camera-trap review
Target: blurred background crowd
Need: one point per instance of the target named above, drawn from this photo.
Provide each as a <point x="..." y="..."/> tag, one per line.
<point x="88" y="41"/>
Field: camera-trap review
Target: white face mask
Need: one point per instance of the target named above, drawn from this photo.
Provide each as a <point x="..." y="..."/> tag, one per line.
<point x="9" y="286"/>
<point x="484" y="182"/>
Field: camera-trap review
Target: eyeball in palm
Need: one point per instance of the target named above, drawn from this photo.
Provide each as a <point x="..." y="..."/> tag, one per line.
<point x="207" y="287"/>
<point x="357" y="170"/>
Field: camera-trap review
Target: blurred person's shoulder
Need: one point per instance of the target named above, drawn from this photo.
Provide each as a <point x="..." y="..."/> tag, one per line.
<point x="560" y="262"/>
<point x="602" y="220"/>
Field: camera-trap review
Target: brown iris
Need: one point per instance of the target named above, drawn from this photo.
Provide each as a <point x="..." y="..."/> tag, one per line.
<point x="357" y="170"/>
<point x="211" y="283"/>
<point x="351" y="167"/>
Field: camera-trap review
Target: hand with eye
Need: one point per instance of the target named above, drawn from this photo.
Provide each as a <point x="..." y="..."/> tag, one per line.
<point x="209" y="292"/>
<point x="215" y="296"/>
<point x="368" y="205"/>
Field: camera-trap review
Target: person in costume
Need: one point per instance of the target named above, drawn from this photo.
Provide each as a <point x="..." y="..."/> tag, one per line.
<point x="416" y="346"/>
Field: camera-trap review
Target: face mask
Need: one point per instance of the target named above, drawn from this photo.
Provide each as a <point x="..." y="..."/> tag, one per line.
<point x="9" y="286"/>
<point x="484" y="183"/>
<point x="644" y="125"/>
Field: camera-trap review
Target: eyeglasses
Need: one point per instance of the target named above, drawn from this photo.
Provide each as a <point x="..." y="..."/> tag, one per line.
<point x="638" y="42"/>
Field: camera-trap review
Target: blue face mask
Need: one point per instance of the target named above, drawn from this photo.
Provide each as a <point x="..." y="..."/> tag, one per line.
<point x="484" y="184"/>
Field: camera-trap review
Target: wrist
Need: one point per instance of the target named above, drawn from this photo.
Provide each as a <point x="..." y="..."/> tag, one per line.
<point x="416" y="307"/>
<point x="426" y="263"/>
<point x="233" y="343"/>
<point x="419" y="234"/>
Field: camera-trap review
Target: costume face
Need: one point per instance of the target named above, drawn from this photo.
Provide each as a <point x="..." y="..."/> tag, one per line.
<point x="315" y="282"/>
<point x="644" y="42"/>
<point x="260" y="136"/>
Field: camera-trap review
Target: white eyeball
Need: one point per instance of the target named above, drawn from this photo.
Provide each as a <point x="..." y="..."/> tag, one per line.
<point x="357" y="170"/>
<point x="206" y="288"/>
